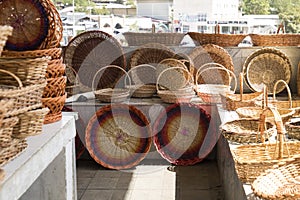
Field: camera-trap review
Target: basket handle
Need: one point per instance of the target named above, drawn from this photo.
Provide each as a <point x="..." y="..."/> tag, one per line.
<point x="110" y="66"/>
<point x="287" y="88"/>
<point x="280" y="27"/>
<point x="207" y="64"/>
<point x="180" y="68"/>
<point x="241" y="86"/>
<point x="221" y="68"/>
<point x="217" y="29"/>
<point x="12" y="75"/>
<point x="136" y="67"/>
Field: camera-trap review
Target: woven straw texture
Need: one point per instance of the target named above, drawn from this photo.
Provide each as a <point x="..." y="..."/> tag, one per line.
<point x="180" y="134"/>
<point x="5" y="31"/>
<point x="293" y="129"/>
<point x="266" y="66"/>
<point x="55" y="68"/>
<point x="282" y="183"/>
<point x="55" y="105"/>
<point x="212" y="54"/>
<point x="118" y="136"/>
<point x="53" y="53"/>
<point x="55" y="87"/>
<point x="168" y="39"/>
<point x="13" y="150"/>
<point x="6" y="130"/>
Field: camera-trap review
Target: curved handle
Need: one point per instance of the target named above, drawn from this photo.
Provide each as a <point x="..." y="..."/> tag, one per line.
<point x="280" y="27"/>
<point x="14" y="76"/>
<point x="138" y="66"/>
<point x="159" y="76"/>
<point x="287" y="88"/>
<point x="221" y="68"/>
<point x="72" y="75"/>
<point x="241" y="86"/>
<point x="174" y="60"/>
<point x="110" y="66"/>
<point x="207" y="64"/>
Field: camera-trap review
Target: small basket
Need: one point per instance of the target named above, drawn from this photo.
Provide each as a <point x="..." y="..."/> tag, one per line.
<point x="282" y="183"/>
<point x="210" y="93"/>
<point x="223" y="40"/>
<point x="25" y="98"/>
<point x="55" y="87"/>
<point x="246" y="130"/>
<point x="51" y="118"/>
<point x="55" y="68"/>
<point x="5" y="31"/>
<point x="168" y="39"/>
<point x="13" y="150"/>
<point x="55" y="105"/>
<point x="6" y="131"/>
<point x="30" y="123"/>
<point x="253" y="159"/>
<point x="53" y="53"/>
<point x="111" y="94"/>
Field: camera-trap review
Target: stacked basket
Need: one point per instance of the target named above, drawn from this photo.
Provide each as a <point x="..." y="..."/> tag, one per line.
<point x="31" y="49"/>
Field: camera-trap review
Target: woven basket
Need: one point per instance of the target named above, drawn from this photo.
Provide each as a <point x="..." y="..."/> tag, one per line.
<point x="168" y="39"/>
<point x="279" y="39"/>
<point x="5" y="106"/>
<point x="13" y="150"/>
<point x="253" y="159"/>
<point x="25" y="98"/>
<point x="142" y="91"/>
<point x="174" y="78"/>
<point x="223" y="40"/>
<point x="143" y="74"/>
<point x="151" y="54"/>
<point x="282" y="183"/>
<point x="266" y="66"/>
<point x="6" y="131"/>
<point x="30" y="123"/>
<point x="111" y="94"/>
<point x="182" y="95"/>
<point x="212" y="54"/>
<point x="55" y="68"/>
<point x="73" y="85"/>
<point x="55" y="87"/>
<point x="5" y="31"/>
<point x="210" y="93"/>
<point x="53" y="53"/>
<point x="293" y="129"/>
<point x="2" y="175"/>
<point x="55" y="105"/>
<point x="186" y="60"/>
<point x="28" y="70"/>
<point x="246" y="130"/>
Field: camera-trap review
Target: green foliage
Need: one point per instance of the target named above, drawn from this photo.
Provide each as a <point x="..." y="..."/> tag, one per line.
<point x="100" y="11"/>
<point x="256" y="7"/>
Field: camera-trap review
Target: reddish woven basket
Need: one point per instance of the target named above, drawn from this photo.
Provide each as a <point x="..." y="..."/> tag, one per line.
<point x="55" y="87"/>
<point x="55" y="105"/>
<point x="55" y="68"/>
<point x="53" y="53"/>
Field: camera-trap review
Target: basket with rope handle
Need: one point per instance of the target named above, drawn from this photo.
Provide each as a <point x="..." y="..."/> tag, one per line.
<point x="184" y="94"/>
<point x="253" y="159"/>
<point x="210" y="93"/>
<point x="111" y="94"/>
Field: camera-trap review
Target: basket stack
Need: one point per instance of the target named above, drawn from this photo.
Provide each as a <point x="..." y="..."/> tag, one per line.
<point x="27" y="51"/>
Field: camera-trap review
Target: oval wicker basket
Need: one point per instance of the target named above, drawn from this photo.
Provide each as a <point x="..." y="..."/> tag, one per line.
<point x="5" y="31"/>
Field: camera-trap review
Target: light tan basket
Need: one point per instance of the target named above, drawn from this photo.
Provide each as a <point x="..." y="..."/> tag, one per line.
<point x="13" y="150"/>
<point x="6" y="130"/>
<point x="5" y="31"/>
<point x="253" y="159"/>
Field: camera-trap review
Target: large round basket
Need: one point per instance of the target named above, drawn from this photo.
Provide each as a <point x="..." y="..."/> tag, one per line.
<point x="266" y="66"/>
<point x="30" y="23"/>
<point x="90" y="51"/>
<point x="118" y="136"/>
<point x="180" y="134"/>
<point x="212" y="54"/>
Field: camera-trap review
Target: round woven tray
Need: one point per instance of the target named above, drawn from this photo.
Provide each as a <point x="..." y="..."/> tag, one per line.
<point x="151" y="54"/>
<point x="118" y="136"/>
<point x="29" y="20"/>
<point x="5" y="31"/>
<point x="142" y="74"/>
<point x="180" y="134"/>
<point x="266" y="66"/>
<point x="142" y="91"/>
<point x="90" y="51"/>
<point x="212" y="54"/>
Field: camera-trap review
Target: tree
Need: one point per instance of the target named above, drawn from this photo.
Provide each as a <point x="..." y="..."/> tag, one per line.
<point x="120" y="1"/>
<point x="255" y="7"/>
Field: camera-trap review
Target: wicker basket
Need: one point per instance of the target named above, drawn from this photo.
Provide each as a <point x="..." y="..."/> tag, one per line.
<point x="168" y="39"/>
<point x="266" y="66"/>
<point x="246" y="130"/>
<point x="282" y="183"/>
<point x="143" y="74"/>
<point x="5" y="106"/>
<point x="5" y="31"/>
<point x="111" y="94"/>
<point x="6" y="131"/>
<point x="55" y="68"/>
<point x="253" y="159"/>
<point x="55" y="105"/>
<point x="210" y="93"/>
<point x="53" y="53"/>
<point x="55" y="87"/>
<point x="223" y="40"/>
<point x="30" y="123"/>
<point x="2" y="175"/>
<point x="25" y="98"/>
<point x="279" y="39"/>
<point x="13" y="150"/>
<point x="212" y="54"/>
<point x="293" y="129"/>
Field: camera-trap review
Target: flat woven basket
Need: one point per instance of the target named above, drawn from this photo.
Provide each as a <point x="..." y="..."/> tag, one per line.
<point x="25" y="97"/>
<point x="30" y="123"/>
<point x="168" y="39"/>
<point x="211" y="53"/>
<point x="265" y="66"/>
<point x="223" y="40"/>
<point x="55" y="87"/>
<point x="293" y="129"/>
<point x="12" y="151"/>
<point x="278" y="39"/>
<point x="282" y="183"/>
<point x="245" y="130"/>
<point x="5" y="31"/>
<point x="253" y="159"/>
<point x="6" y="131"/>
<point x="55" y="105"/>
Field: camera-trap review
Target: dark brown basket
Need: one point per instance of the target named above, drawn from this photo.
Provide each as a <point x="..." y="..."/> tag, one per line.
<point x="90" y="51"/>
